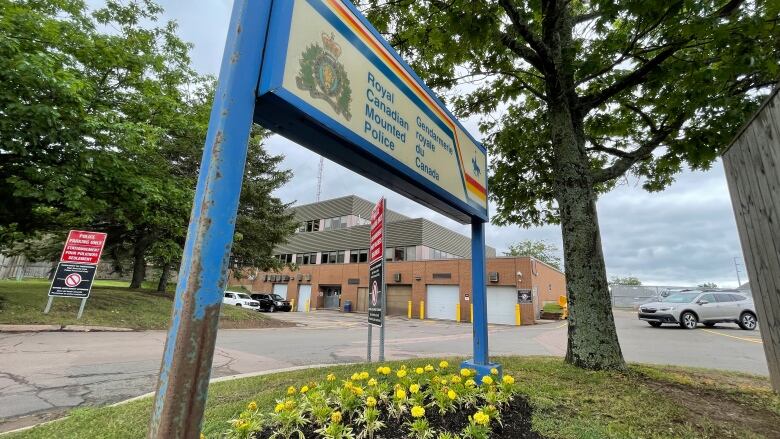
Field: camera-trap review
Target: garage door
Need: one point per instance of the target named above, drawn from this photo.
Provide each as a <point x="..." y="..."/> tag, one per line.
<point x="441" y="301"/>
<point x="281" y="289"/>
<point x="362" y="300"/>
<point x="304" y="294"/>
<point x="501" y="305"/>
<point x="398" y="296"/>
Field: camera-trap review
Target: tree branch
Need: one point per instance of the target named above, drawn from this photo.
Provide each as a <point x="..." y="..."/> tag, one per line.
<point x="634" y="78"/>
<point x="522" y="51"/>
<point x="522" y="28"/>
<point x="628" y="159"/>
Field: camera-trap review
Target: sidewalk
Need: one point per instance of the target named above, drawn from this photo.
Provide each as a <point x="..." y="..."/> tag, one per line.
<point x="61" y="328"/>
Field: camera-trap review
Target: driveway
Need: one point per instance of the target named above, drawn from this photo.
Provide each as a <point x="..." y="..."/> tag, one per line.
<point x="42" y="375"/>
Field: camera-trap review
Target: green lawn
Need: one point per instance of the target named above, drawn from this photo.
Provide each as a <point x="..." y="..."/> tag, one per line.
<point x="110" y="303"/>
<point x="645" y="402"/>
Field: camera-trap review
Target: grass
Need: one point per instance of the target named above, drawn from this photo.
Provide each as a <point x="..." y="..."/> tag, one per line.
<point x="552" y="308"/>
<point x="111" y="303"/>
<point x="568" y="403"/>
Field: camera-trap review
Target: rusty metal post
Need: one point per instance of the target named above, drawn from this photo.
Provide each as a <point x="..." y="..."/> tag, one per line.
<point x="186" y="365"/>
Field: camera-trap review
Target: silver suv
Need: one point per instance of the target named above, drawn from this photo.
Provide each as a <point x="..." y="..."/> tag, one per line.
<point x="688" y="308"/>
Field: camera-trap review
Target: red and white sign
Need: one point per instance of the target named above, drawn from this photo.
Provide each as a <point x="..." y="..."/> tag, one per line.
<point x="72" y="280"/>
<point x="83" y="247"/>
<point x="376" y="250"/>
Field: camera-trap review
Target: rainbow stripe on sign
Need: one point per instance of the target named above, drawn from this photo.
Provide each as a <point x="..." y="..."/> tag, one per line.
<point x="474" y="189"/>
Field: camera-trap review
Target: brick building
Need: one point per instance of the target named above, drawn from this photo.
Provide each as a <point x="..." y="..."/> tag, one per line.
<point x="427" y="265"/>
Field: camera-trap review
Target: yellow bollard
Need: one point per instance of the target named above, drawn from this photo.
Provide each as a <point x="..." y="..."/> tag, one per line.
<point x="409" y="310"/>
<point x="422" y="310"/>
<point x="308" y="305"/>
<point x="518" y="317"/>
<point x="292" y="304"/>
<point x="457" y="312"/>
<point x="471" y="318"/>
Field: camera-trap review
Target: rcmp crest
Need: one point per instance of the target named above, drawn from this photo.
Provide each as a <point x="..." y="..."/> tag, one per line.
<point x="324" y="77"/>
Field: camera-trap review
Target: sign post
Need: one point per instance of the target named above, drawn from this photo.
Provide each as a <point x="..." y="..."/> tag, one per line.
<point x="377" y="300"/>
<point x="318" y="73"/>
<point x="76" y="269"/>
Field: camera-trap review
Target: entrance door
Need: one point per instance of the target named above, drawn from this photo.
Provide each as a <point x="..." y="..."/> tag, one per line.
<point x="442" y="301"/>
<point x="332" y="297"/>
<point x="304" y="295"/>
<point x="281" y="289"/>
<point x="362" y="300"/>
<point x="501" y="303"/>
<point x="398" y="297"/>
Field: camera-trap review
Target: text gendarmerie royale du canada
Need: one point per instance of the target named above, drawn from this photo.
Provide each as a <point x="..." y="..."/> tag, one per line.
<point x="389" y="128"/>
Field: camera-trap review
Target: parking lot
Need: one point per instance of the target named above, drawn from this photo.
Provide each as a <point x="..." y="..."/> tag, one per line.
<point x="45" y="373"/>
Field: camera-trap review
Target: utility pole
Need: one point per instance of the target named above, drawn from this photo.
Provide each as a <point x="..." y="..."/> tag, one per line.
<point x="319" y="178"/>
<point x="736" y="268"/>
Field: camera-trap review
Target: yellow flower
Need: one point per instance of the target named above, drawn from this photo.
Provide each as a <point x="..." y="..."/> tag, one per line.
<point x="481" y="418"/>
<point x="372" y="382"/>
<point x="304" y="389"/>
<point x="401" y="373"/>
<point x="251" y="406"/>
<point x="419" y="371"/>
<point x="335" y="417"/>
<point x="443" y="364"/>
<point x="452" y="395"/>
<point x="279" y="407"/>
<point x="465" y="373"/>
<point x="414" y="388"/>
<point x="289" y="404"/>
<point x="202" y="436"/>
<point x="508" y="379"/>
<point x="357" y="391"/>
<point x="455" y="379"/>
<point x="239" y="423"/>
<point x="291" y="390"/>
<point x="383" y="370"/>
<point x="364" y="375"/>
<point x="494" y="371"/>
<point x="371" y="401"/>
<point x="428" y="368"/>
<point x="436" y="379"/>
<point x="470" y="383"/>
<point x="347" y="384"/>
<point x="355" y="377"/>
<point x="400" y="394"/>
<point x="331" y="377"/>
<point x="418" y="412"/>
<point x="444" y="382"/>
<point x="487" y="380"/>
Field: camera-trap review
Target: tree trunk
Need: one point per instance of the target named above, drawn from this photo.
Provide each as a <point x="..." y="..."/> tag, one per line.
<point x="139" y="264"/>
<point x="164" y="276"/>
<point x="592" y="341"/>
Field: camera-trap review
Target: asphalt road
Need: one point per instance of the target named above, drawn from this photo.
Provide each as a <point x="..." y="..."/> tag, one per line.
<point x="42" y="375"/>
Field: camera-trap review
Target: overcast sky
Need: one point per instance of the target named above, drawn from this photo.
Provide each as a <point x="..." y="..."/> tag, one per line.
<point x="685" y="235"/>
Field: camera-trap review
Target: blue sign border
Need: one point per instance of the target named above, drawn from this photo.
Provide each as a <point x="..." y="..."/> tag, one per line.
<point x="280" y="110"/>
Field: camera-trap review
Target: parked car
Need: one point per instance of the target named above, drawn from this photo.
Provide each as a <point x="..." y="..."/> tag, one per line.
<point x="272" y="302"/>
<point x="241" y="300"/>
<point x="689" y="308"/>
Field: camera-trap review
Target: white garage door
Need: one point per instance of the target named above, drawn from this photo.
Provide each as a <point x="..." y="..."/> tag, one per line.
<point x="501" y="305"/>
<point x="441" y="301"/>
<point x="281" y="289"/>
<point x="304" y="294"/>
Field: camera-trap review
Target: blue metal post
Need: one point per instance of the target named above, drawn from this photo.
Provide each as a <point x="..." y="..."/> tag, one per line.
<point x="480" y="362"/>
<point x="189" y="348"/>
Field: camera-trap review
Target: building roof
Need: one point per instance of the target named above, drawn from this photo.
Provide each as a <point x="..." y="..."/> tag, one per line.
<point x="349" y="205"/>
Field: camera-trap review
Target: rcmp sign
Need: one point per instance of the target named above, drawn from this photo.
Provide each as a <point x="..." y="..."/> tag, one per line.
<point x="325" y="68"/>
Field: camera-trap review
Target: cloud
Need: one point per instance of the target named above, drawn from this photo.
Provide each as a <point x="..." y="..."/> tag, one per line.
<point x="683" y="236"/>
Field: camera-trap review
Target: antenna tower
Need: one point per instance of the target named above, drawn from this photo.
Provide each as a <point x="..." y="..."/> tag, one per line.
<point x="319" y="177"/>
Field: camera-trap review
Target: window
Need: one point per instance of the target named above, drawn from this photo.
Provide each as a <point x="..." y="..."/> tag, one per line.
<point x="306" y="259"/>
<point x="710" y="298"/>
<point x="356" y="256"/>
<point x="339" y="222"/>
<point x="285" y="258"/>
<point x="399" y="254"/>
<point x="389" y="254"/>
<point x="229" y="295"/>
<point x="722" y="297"/>
<point x="309" y="226"/>
<point x="334" y="257"/>
<point x="738" y="298"/>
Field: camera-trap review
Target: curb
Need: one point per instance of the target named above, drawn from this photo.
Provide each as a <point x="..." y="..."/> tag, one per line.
<point x="215" y="380"/>
<point x="60" y="328"/>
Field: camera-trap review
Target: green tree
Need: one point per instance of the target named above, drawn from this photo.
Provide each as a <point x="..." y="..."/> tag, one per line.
<point x="541" y="250"/>
<point x="708" y="285"/>
<point x="628" y="280"/>
<point x="579" y="94"/>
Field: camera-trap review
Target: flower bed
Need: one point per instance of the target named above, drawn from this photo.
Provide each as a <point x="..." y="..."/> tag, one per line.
<point x="423" y="402"/>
